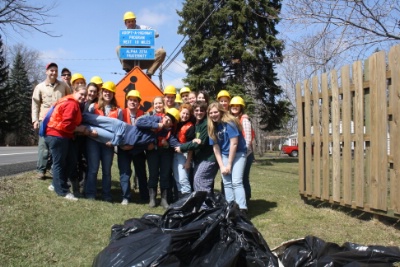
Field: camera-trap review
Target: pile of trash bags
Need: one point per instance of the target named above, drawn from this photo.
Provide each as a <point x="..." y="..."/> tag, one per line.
<point x="204" y="230"/>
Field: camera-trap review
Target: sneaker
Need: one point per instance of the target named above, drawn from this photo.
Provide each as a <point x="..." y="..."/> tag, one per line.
<point x="40" y="176"/>
<point x="124" y="201"/>
<point x="51" y="187"/>
<point x="70" y="196"/>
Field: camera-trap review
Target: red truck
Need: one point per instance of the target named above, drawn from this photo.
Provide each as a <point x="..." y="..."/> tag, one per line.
<point x="292" y="151"/>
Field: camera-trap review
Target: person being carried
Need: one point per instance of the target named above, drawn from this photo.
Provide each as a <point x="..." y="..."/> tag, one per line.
<point x="115" y="132"/>
<point x="150" y="65"/>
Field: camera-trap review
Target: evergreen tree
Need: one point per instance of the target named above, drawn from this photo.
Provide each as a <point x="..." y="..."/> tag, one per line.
<point x="4" y="93"/>
<point x="232" y="45"/>
<point x="21" y="98"/>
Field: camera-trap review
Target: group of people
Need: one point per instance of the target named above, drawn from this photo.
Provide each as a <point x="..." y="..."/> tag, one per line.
<point x="185" y="139"/>
<point x="184" y="142"/>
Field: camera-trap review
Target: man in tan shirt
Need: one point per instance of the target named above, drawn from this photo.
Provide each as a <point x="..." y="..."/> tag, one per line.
<point x="44" y="96"/>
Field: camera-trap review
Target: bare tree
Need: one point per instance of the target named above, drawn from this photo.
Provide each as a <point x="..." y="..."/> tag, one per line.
<point x="326" y="34"/>
<point x="22" y="16"/>
<point x="356" y="25"/>
<point x="34" y="66"/>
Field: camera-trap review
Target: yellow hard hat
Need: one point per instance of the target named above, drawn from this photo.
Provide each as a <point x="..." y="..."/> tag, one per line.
<point x="77" y="76"/>
<point x="223" y="93"/>
<point x="110" y="86"/>
<point x="174" y="113"/>
<point x="170" y="90"/>
<point x="178" y="98"/>
<point x="185" y="90"/>
<point x="237" y="100"/>
<point x="129" y="15"/>
<point x="134" y="93"/>
<point x="97" y="80"/>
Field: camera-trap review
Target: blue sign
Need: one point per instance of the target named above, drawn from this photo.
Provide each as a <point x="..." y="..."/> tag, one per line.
<point x="136" y="37"/>
<point x="137" y="53"/>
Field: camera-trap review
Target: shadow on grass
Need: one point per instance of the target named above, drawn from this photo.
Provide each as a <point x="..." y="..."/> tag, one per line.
<point x="271" y="161"/>
<point x="354" y="213"/>
<point x="259" y="206"/>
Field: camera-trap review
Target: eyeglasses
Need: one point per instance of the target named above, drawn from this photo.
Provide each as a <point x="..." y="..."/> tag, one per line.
<point x="66" y="74"/>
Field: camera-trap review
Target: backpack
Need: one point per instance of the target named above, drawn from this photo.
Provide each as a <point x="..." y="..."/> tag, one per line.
<point x="43" y="125"/>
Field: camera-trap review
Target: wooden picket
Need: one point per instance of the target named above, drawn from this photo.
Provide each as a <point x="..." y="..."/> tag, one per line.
<point x="349" y="135"/>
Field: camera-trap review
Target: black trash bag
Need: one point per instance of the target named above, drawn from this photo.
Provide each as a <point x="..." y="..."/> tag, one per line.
<point x="313" y="251"/>
<point x="197" y="230"/>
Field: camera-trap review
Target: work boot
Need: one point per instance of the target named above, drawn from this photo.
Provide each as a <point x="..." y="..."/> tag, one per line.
<point x="164" y="202"/>
<point x="152" y="193"/>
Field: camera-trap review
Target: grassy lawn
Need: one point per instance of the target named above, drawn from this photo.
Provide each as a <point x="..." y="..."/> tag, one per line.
<point x="39" y="229"/>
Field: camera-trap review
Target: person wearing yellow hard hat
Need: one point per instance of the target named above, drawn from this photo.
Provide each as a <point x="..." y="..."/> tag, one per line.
<point x="224" y="98"/>
<point x="169" y="97"/>
<point x="236" y="108"/>
<point x="98" y="152"/>
<point x="150" y="65"/>
<point x="97" y="80"/>
<point x="77" y="79"/>
<point x="126" y="158"/>
<point x="185" y="94"/>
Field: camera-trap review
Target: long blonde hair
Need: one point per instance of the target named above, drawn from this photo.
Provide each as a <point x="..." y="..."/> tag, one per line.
<point x="226" y="117"/>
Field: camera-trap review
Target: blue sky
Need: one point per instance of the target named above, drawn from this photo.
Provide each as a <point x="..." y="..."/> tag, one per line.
<point x="90" y="34"/>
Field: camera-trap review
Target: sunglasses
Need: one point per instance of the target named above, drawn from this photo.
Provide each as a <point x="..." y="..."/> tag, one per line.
<point x="66" y="74"/>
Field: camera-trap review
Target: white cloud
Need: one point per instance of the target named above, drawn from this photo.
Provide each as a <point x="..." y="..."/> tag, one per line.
<point x="151" y="18"/>
<point x="60" y="53"/>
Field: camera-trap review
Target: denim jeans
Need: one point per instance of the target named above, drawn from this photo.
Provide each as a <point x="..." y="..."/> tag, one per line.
<point x="233" y="182"/>
<point x="108" y="129"/>
<point x="246" y="175"/>
<point x="181" y="175"/>
<point x="159" y="162"/>
<point x="43" y="155"/>
<point x="96" y="153"/>
<point x="125" y="158"/>
<point x="62" y="160"/>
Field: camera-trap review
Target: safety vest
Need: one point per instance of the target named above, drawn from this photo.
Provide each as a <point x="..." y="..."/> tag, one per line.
<point x="253" y="134"/>
<point x="182" y="132"/>
<point x="113" y="113"/>
<point x="56" y="118"/>
<point x="127" y="115"/>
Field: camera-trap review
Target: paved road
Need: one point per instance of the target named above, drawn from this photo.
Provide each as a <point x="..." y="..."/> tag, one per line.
<point x="15" y="160"/>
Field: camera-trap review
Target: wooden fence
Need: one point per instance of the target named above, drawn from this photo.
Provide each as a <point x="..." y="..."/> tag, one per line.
<point x="349" y="135"/>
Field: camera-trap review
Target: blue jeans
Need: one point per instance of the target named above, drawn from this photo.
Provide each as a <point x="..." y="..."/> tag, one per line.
<point x="125" y="158"/>
<point x="63" y="159"/>
<point x="233" y="182"/>
<point x="246" y="175"/>
<point x="181" y="175"/>
<point x="43" y="155"/>
<point x="108" y="129"/>
<point x="96" y="153"/>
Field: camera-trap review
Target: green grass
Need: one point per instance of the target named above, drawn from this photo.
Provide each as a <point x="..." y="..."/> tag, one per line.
<point x="37" y="228"/>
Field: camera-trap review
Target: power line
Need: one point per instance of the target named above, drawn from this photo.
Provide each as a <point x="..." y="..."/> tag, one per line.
<point x="166" y="65"/>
